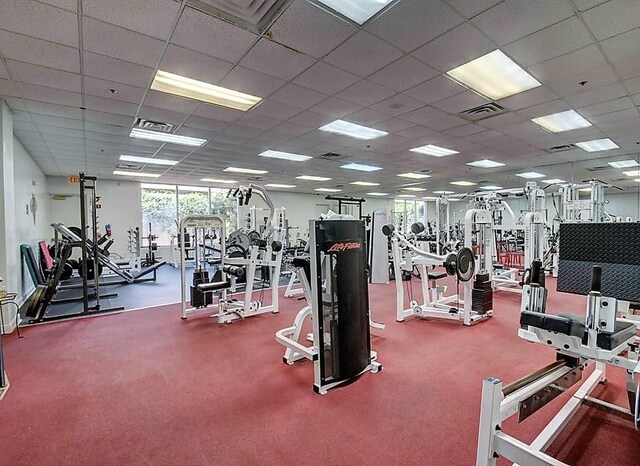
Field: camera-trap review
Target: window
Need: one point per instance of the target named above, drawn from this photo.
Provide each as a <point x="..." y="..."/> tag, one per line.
<point x="192" y="201"/>
<point x="225" y="206"/>
<point x="406" y="212"/>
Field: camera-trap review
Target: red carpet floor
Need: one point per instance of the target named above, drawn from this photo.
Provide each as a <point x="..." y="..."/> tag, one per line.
<point x="145" y="387"/>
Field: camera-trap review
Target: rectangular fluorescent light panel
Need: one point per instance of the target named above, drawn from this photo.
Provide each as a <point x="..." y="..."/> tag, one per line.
<point x="436" y="151"/>
<point x="358" y="11"/>
<point x="365" y="183"/>
<point x="328" y="190"/>
<point x="554" y="181"/>
<point x="430" y="198"/>
<point x="361" y="167"/>
<point x="463" y="183"/>
<point x="411" y="188"/>
<point x="166" y="137"/>
<point x="278" y="185"/>
<point x="597" y="145"/>
<point x="443" y="192"/>
<point x="377" y="194"/>
<point x="312" y="178"/>
<point x="137" y="174"/>
<point x="274" y="154"/>
<point x="351" y="129"/>
<point x="151" y="160"/>
<point x="491" y="187"/>
<point x="407" y="195"/>
<point x="415" y="176"/>
<point x="624" y="164"/>
<point x="563" y="121"/>
<point x="249" y="171"/>
<point x="494" y="75"/>
<point x="197" y="90"/>
<point x="486" y="163"/>
<point x="632" y="173"/>
<point x="214" y="180"/>
<point x="530" y="175"/>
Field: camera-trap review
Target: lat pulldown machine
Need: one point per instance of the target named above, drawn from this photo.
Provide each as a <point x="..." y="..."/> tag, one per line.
<point x="335" y="285"/>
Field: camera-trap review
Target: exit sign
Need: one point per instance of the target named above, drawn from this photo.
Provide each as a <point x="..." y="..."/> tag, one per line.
<point x="74" y="179"/>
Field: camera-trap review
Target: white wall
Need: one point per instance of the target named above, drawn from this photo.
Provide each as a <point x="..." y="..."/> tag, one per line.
<point x="30" y="227"/>
<point x="120" y="201"/>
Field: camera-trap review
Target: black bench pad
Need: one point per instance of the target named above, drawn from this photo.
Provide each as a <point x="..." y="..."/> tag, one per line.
<point x="436" y="275"/>
<point x="214" y="286"/>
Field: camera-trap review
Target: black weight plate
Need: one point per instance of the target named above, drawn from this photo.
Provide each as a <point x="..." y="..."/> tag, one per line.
<point x="450" y="264"/>
<point x="465" y="264"/>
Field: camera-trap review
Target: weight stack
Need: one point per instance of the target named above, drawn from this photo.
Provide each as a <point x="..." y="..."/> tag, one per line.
<point x="482" y="294"/>
<point x="198" y="298"/>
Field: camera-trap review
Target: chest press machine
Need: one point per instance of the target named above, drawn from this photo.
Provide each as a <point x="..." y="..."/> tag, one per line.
<point x="335" y="285"/>
<point x="600" y="338"/>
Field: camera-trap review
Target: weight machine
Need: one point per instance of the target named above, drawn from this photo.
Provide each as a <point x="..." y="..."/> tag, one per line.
<point x="335" y="286"/>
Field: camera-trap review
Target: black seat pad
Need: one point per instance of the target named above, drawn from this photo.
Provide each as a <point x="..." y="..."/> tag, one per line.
<point x="214" y="286"/>
<point x="436" y="275"/>
<point x="303" y="263"/>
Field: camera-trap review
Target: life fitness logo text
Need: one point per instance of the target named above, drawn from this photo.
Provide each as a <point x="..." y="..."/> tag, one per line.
<point x="344" y="246"/>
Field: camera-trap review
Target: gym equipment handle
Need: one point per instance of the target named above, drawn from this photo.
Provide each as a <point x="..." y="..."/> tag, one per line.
<point x="596" y="279"/>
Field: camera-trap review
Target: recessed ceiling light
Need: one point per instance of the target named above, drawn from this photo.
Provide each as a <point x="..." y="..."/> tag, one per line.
<point x="463" y="183"/>
<point x="215" y="180"/>
<point x="486" y="163"/>
<point x="554" y="181"/>
<point x="151" y="160"/>
<point x="357" y="10"/>
<point x="137" y="174"/>
<point x="407" y="195"/>
<point x="530" y="175"/>
<point x="351" y="129"/>
<point x="563" y="121"/>
<point x="443" y="192"/>
<point x="491" y="187"/>
<point x="632" y="173"/>
<point x="278" y="185"/>
<point x="494" y="75"/>
<point x="597" y="145"/>
<point x="415" y="176"/>
<point x="436" y="151"/>
<point x="166" y="137"/>
<point x="624" y="164"/>
<point x="312" y="178"/>
<point x="411" y="188"/>
<point x="249" y="171"/>
<point x="328" y="190"/>
<point x="205" y="92"/>
<point x="453" y="199"/>
<point x="274" y="154"/>
<point x="365" y="183"/>
<point x="377" y="194"/>
<point x="361" y="167"/>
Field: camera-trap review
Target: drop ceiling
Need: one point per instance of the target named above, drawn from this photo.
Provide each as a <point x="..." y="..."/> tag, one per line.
<point x="76" y="75"/>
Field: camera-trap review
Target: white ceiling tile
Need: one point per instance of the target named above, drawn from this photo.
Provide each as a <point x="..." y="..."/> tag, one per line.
<point x="610" y="106"/>
<point x="16" y="104"/>
<point x="291" y="129"/>
<point x="416" y="131"/>
<point x="53" y="109"/>
<point x="335" y="108"/>
<point x="22" y="116"/>
<point x="435" y="89"/>
<point x="309" y="29"/>
<point x="22" y="17"/>
<point x="466" y="130"/>
<point x="627" y="68"/>
<point x="151" y="17"/>
<point x="71" y="5"/>
<point x="394" y="125"/>
<point x="101" y="88"/>
<point x="595" y="96"/>
<point x="499" y="121"/>
<point x="403" y="25"/>
<point x="471" y="8"/>
<point x="612" y="18"/>
<point x="311" y="119"/>
<point x="276" y="110"/>
<point x="33" y="74"/>
<point x="559" y="39"/>
<point x="535" y="96"/>
<point x="244" y="131"/>
<point x="546" y="108"/>
<point x="568" y="65"/>
<point x="109" y="129"/>
<point x="195" y="121"/>
<point x="110" y="106"/>
<point x="454" y="48"/>
<point x="297" y="96"/>
<point x="365" y="93"/>
<point x="276" y="60"/>
<point x="366" y="117"/>
<point x="397" y="105"/>
<point x="633" y="85"/>
<point x="254" y="83"/>
<point x="39" y="52"/>
<point x="325" y="78"/>
<point x="120" y="43"/>
<point x="403" y="74"/>
<point x="50" y="95"/>
<point x="622" y="46"/>
<point x="433" y="118"/>
<point x="594" y="78"/>
<point x="57" y="121"/>
<point x="170" y="102"/>
<point x="8" y="89"/>
<point x="112" y="69"/>
<point x="4" y="74"/>
<point x="363" y="54"/>
<point x="194" y="65"/>
<point x="58" y="131"/>
<point x="459" y="102"/>
<point x="108" y="118"/>
<point x="214" y="112"/>
<point x="206" y="34"/>
<point x="514" y="19"/>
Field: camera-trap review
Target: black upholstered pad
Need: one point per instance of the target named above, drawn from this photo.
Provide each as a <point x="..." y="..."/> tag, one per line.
<point x="303" y="263"/>
<point x="214" y="286"/>
<point x="436" y="275"/>
<point x="622" y="332"/>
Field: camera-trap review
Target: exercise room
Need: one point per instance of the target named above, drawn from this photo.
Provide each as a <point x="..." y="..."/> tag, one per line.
<point x="320" y="232"/>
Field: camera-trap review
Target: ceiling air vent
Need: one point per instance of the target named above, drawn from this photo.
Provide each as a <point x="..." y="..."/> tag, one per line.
<point x="597" y="169"/>
<point x="254" y="15"/>
<point x="255" y="178"/>
<point x="153" y="125"/>
<point x="330" y="156"/>
<point x="561" y="148"/>
<point x="484" y="111"/>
